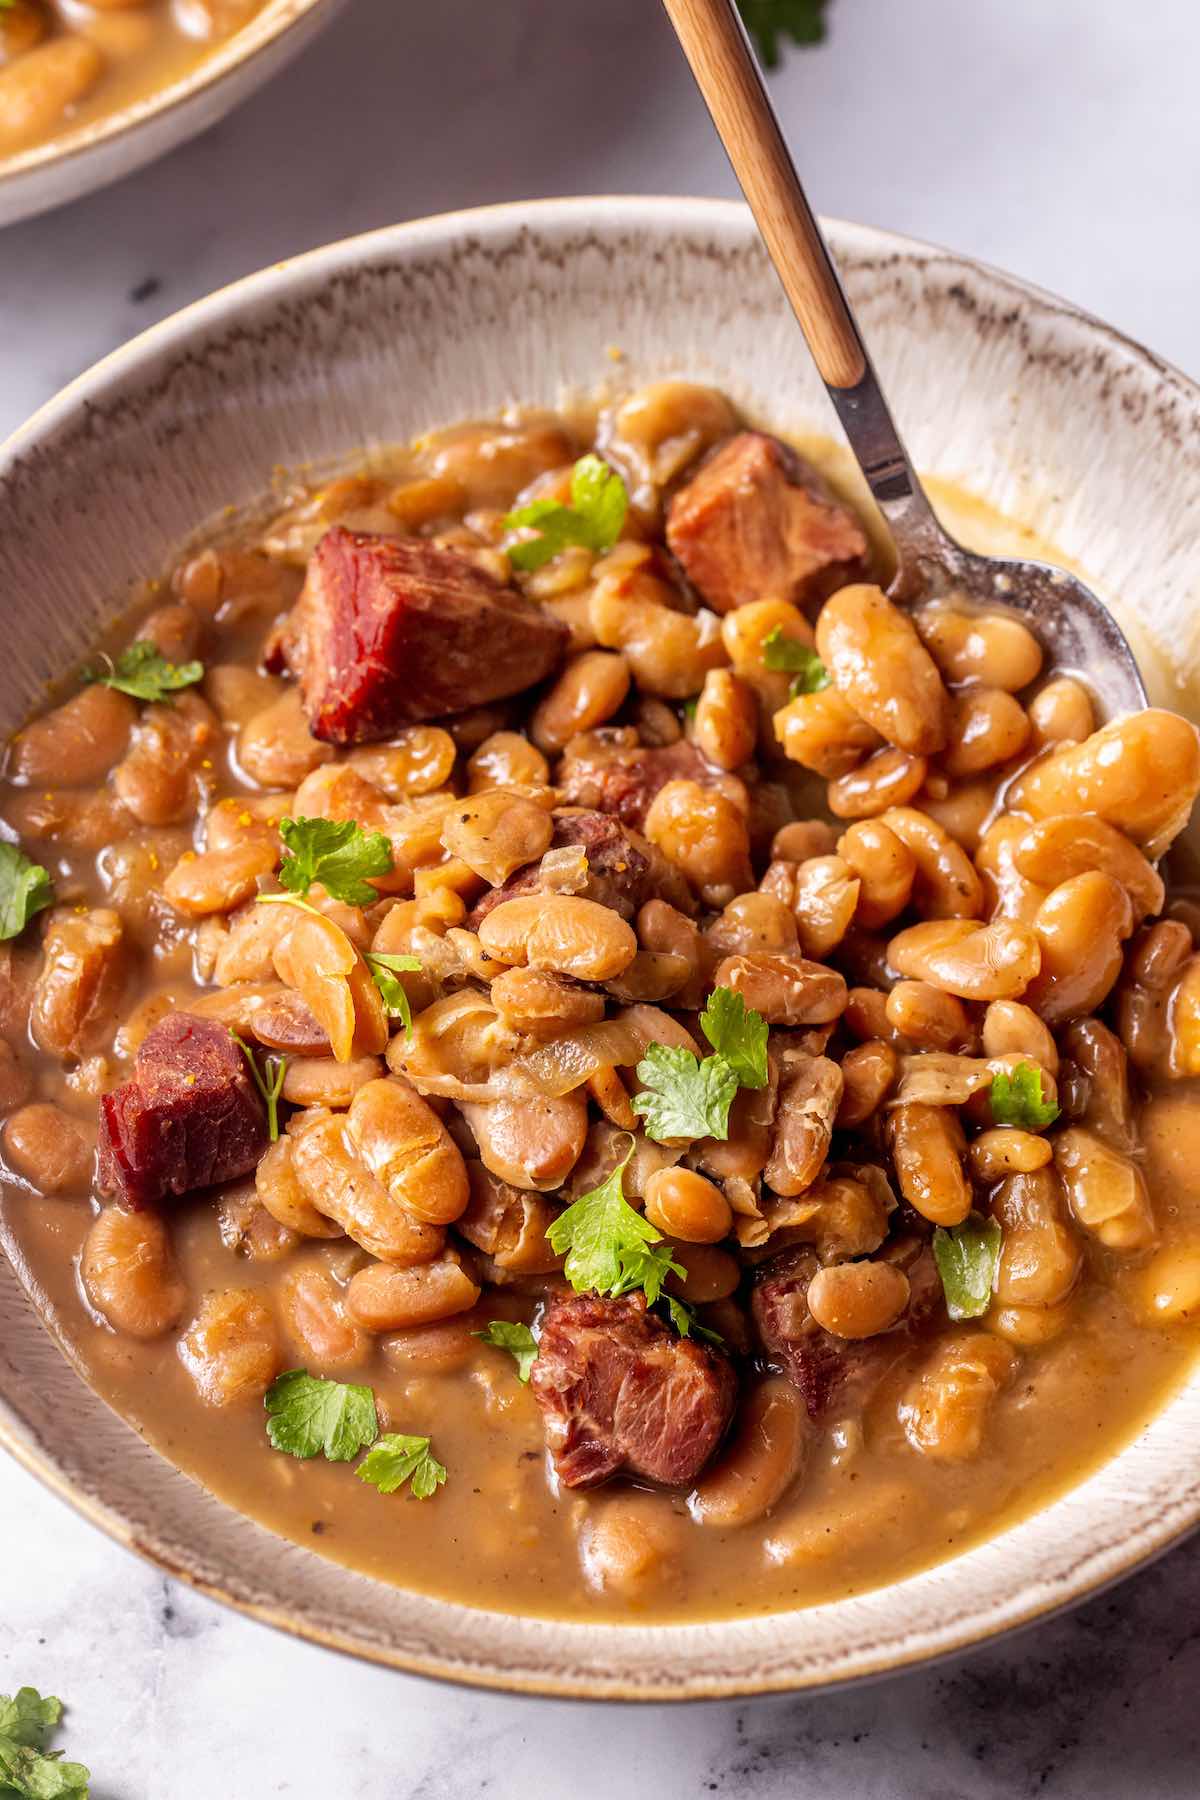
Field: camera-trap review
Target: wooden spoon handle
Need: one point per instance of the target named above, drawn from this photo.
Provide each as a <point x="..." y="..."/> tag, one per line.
<point x="716" y="46"/>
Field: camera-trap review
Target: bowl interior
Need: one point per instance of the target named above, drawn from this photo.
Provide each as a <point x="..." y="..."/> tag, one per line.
<point x="1050" y="418"/>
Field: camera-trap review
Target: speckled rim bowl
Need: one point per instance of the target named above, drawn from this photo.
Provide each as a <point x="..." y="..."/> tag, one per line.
<point x="1048" y="415"/>
<point x="79" y="161"/>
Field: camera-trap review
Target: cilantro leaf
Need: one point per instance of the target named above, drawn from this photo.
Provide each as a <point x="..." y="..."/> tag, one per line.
<point x="25" y="889"/>
<point x="683" y="1097"/>
<point x="768" y="20"/>
<point x="1016" y="1099"/>
<point x="967" y="1257"/>
<point x="606" y="1243"/>
<point x="808" y="672"/>
<point x="26" y="1767"/>
<point x="594" y="517"/>
<point x="398" y="1458"/>
<point x="310" y="1417"/>
<point x="143" y="672"/>
<point x="337" y="853"/>
<point x="384" y="967"/>
<point x="518" y="1340"/>
<point x="268" y="1080"/>
<point x="737" y="1033"/>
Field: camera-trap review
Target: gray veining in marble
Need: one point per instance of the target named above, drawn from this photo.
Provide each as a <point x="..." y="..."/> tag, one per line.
<point x="1057" y="138"/>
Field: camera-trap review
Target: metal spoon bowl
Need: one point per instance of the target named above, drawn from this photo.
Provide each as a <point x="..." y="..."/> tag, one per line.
<point x="1078" y="633"/>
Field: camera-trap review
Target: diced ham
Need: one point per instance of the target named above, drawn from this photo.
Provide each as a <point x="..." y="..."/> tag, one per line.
<point x="832" y="1371"/>
<point x="620" y="870"/>
<point x="757" y="522"/>
<point x="390" y="631"/>
<point x="189" y="1117"/>
<point x="620" y="1391"/>
<point x="623" y="779"/>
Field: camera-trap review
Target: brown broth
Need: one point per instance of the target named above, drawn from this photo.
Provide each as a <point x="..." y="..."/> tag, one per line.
<point x="868" y="1511"/>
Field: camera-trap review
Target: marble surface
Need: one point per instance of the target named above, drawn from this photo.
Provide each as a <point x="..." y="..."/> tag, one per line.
<point x="1058" y="141"/>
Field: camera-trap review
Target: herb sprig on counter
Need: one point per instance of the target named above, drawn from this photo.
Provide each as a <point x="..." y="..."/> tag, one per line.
<point x="27" y="1768"/>
<point x="594" y="517"/>
<point x="25" y="889"/>
<point x="144" y="673"/>
<point x="684" y="1096"/>
<point x="767" y="21"/>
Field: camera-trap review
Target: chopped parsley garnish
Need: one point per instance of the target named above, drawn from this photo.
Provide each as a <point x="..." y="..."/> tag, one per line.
<point x="967" y="1257"/>
<point x="337" y="853"/>
<point x="311" y="1417"/>
<point x="268" y="1080"/>
<point x="1017" y="1099"/>
<point x="27" y="1768"/>
<point x="769" y="20"/>
<point x="25" y="889"/>
<point x="144" y="673"/>
<point x="398" y="1458"/>
<point x="737" y="1033"/>
<point x="800" y="661"/>
<point x="518" y="1340"/>
<point x="609" y="1248"/>
<point x="594" y="517"/>
<point x="683" y="1318"/>
<point x="384" y="967"/>
<point x="683" y="1096"/>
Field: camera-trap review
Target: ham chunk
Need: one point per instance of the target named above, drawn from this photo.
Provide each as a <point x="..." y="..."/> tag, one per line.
<point x="757" y="522"/>
<point x="391" y="631"/>
<point x="619" y="869"/>
<point x="189" y="1117"/>
<point x="620" y="1391"/>
<point x="623" y="779"/>
<point x="833" y="1374"/>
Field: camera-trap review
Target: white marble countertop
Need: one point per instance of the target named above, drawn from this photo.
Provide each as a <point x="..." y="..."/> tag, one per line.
<point x="1061" y="141"/>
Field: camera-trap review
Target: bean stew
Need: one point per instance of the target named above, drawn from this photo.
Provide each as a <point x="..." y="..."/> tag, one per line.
<point x="64" y="64"/>
<point x="561" y="1049"/>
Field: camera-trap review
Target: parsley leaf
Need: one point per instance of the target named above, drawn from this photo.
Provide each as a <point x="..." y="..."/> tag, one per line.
<point x="27" y="1768"/>
<point x="268" y="1080"/>
<point x="25" y="889"/>
<point x="398" y="1458"/>
<point x="518" y="1340"/>
<point x="683" y="1318"/>
<point x="737" y="1033"/>
<point x="967" y="1257"/>
<point x="309" y="1416"/>
<point x="683" y="1097"/>
<point x="594" y="518"/>
<point x="607" y="1244"/>
<point x="337" y="853"/>
<point x="384" y="967"/>
<point x="808" y="672"/>
<point x="1016" y="1099"/>
<point x="768" y="20"/>
<point x="143" y="672"/>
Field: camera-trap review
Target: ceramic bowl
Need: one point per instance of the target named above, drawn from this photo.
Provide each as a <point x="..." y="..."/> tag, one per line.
<point x="77" y="162"/>
<point x="1048" y="415"/>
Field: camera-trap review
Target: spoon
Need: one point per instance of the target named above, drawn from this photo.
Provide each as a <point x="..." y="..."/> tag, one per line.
<point x="1078" y="632"/>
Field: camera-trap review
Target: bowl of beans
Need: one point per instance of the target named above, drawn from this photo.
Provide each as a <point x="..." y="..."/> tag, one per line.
<point x="618" y="1102"/>
<point x="91" y="91"/>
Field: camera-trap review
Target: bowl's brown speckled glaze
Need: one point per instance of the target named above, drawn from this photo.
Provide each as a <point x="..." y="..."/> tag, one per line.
<point x="1048" y="416"/>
